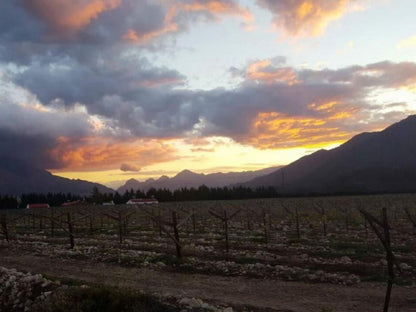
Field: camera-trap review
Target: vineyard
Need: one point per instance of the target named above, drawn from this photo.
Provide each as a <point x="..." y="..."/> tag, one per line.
<point x="346" y="241"/>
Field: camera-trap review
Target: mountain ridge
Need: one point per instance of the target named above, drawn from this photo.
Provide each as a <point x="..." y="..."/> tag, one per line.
<point x="383" y="161"/>
<point x="188" y="178"/>
<point x="19" y="178"/>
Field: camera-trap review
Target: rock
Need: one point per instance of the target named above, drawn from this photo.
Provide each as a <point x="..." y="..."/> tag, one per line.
<point x="346" y="260"/>
<point x="404" y="266"/>
<point x="191" y="302"/>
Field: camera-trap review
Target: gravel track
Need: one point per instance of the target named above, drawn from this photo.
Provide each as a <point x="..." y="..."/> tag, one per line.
<point x="277" y="295"/>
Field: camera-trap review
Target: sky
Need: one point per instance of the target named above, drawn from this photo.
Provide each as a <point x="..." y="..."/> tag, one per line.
<point x="108" y="90"/>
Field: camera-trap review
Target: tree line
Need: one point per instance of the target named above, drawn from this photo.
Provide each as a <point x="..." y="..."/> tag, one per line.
<point x="162" y="195"/>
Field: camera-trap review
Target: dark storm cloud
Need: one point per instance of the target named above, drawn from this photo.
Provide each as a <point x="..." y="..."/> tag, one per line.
<point x="28" y="132"/>
<point x="31" y="149"/>
<point x="88" y="82"/>
<point x="17" y="24"/>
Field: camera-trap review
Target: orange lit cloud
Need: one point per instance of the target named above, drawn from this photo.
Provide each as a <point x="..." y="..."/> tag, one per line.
<point x="94" y="154"/>
<point x="263" y="71"/>
<point x="277" y="130"/>
<point x="66" y="17"/>
<point x="306" y="17"/>
<point x="333" y="110"/>
<point x="219" y="7"/>
<point x="169" y="25"/>
<point x="132" y="36"/>
<point x="176" y="8"/>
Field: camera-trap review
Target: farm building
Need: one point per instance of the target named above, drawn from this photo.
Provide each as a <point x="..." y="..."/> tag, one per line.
<point x="34" y="206"/>
<point x="142" y="201"/>
<point x="110" y="203"/>
<point x="72" y="203"/>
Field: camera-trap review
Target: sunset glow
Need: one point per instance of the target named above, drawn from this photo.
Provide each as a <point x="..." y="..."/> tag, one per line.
<point x="108" y="90"/>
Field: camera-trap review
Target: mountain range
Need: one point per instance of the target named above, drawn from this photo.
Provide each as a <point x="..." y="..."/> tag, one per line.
<point x="374" y="162"/>
<point x="187" y="178"/>
<point x="18" y="178"/>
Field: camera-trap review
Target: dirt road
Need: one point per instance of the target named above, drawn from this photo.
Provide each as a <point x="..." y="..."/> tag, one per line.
<point x="279" y="295"/>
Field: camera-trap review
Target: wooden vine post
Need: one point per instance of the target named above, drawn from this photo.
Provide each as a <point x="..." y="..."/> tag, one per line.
<point x="52" y="222"/>
<point x="411" y="218"/>
<point x="266" y="225"/>
<point x="66" y="224"/>
<point x="294" y="214"/>
<point x="120" y="217"/>
<point x="5" y="222"/>
<point x="346" y="213"/>
<point x="176" y="235"/>
<point x="320" y="209"/>
<point x="248" y="218"/>
<point x="70" y="230"/>
<point x="382" y="228"/>
<point x="4" y="228"/>
<point x="174" y="224"/>
<point x="225" y="218"/>
<point x="193" y="220"/>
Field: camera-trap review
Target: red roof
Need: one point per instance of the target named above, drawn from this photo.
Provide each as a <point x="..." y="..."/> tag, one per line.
<point x="29" y="206"/>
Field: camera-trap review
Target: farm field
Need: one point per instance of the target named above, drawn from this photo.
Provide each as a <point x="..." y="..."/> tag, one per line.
<point x="291" y="254"/>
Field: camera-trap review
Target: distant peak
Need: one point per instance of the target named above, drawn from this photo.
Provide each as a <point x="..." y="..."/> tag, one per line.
<point x="163" y="178"/>
<point x="186" y="173"/>
<point x="131" y="181"/>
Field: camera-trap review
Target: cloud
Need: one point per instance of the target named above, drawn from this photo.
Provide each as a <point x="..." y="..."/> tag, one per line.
<point x="264" y="71"/>
<point x="202" y="150"/>
<point x="129" y="126"/>
<point x="81" y="97"/>
<point x="306" y="17"/>
<point x="276" y="130"/>
<point x="312" y="106"/>
<point x="218" y="7"/>
<point x="112" y="21"/>
<point x="316" y="110"/>
<point x="88" y="81"/>
<point x="180" y="12"/>
<point x="129" y="167"/>
<point x="411" y="41"/>
<point x="103" y="153"/>
<point x="66" y="17"/>
<point x="28" y="130"/>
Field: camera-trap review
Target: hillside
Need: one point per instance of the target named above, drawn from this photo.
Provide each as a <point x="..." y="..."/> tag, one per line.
<point x="382" y="161"/>
<point x="17" y="178"/>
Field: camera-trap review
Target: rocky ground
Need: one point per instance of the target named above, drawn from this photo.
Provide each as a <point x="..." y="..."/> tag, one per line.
<point x="333" y="263"/>
<point x="200" y="291"/>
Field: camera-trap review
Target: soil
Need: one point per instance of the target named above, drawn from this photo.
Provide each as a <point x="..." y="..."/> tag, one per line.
<point x="234" y="291"/>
